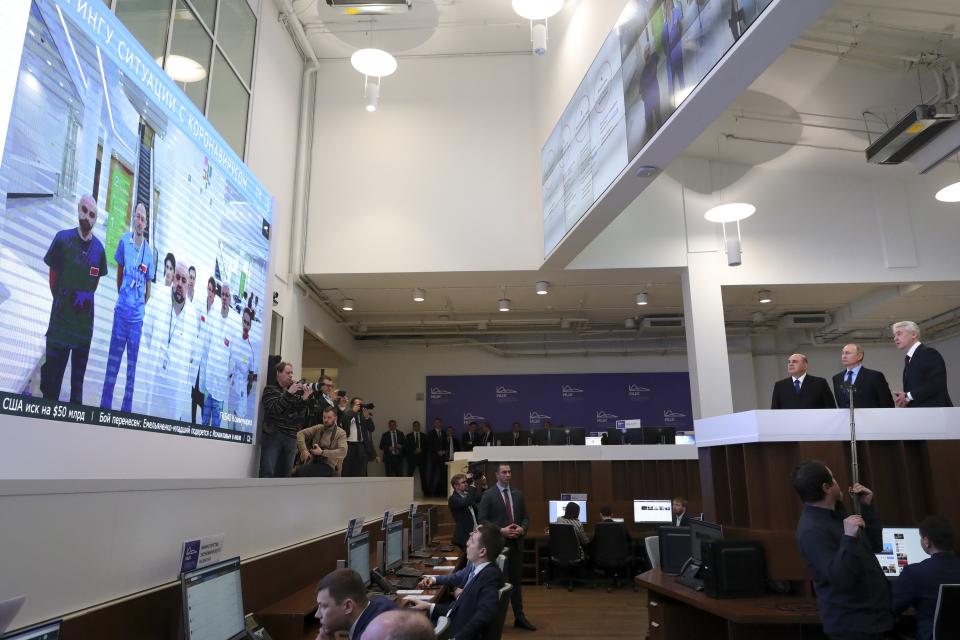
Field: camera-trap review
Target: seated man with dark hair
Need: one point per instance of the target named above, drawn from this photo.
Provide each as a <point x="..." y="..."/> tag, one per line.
<point x="919" y="584"/>
<point x="475" y="610"/>
<point x="342" y="605"/>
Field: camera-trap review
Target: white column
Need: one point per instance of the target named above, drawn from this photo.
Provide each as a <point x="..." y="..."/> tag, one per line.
<point x="706" y="335"/>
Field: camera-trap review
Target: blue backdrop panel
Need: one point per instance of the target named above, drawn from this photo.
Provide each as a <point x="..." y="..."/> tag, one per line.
<point x="594" y="401"/>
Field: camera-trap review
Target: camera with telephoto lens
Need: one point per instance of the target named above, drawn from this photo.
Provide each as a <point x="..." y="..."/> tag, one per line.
<point x="475" y="471"/>
<point x="367" y="405"/>
<point x="315" y="387"/>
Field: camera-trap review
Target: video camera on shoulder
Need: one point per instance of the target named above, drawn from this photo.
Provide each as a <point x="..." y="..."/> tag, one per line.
<point x="475" y="471"/>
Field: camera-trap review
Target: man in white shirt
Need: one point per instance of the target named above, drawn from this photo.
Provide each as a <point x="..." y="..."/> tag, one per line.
<point x="216" y="381"/>
<point x="205" y="310"/>
<point x="242" y="367"/>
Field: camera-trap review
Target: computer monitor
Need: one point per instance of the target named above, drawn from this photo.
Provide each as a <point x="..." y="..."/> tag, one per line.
<point x="900" y="548"/>
<point x="213" y="602"/>
<point x="653" y="511"/>
<point x="593" y="441"/>
<point x="557" y="508"/>
<point x="358" y="555"/>
<point x="46" y="631"/>
<point x="417" y="539"/>
<point x="674" y="549"/>
<point x="701" y="532"/>
<point x="394" y="545"/>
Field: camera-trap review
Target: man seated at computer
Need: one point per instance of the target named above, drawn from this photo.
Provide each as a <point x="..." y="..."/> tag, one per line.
<point x="399" y="625"/>
<point x="680" y="517"/>
<point x="342" y="605"/>
<point x="456" y="579"/>
<point x="322" y="447"/>
<point x="475" y="610"/>
<point x="919" y="584"/>
<point x="571" y="516"/>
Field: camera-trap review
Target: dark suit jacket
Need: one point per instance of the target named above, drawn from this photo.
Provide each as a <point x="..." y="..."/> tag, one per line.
<point x="508" y="440"/>
<point x="378" y="604"/>
<point x="925" y="379"/>
<point x="918" y="586"/>
<point x="476" y="609"/>
<point x="493" y="510"/>
<point x="410" y="448"/>
<point x="871" y="390"/>
<point x="346" y="423"/>
<point x="386" y="442"/>
<point x="684" y="520"/>
<point x="461" y="507"/>
<point x="484" y="438"/>
<point x="436" y="446"/>
<point x="814" y="394"/>
<point x="469" y="440"/>
<point x="446" y="447"/>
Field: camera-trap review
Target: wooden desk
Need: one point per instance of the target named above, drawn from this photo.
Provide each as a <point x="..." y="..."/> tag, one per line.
<point x="676" y="612"/>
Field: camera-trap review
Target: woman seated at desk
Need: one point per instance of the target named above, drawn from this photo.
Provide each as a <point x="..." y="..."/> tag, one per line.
<point x="571" y="516"/>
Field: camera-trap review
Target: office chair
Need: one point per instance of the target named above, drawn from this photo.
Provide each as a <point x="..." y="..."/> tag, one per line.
<point x="946" y="618"/>
<point x="442" y="630"/>
<point x="502" y="560"/>
<point x="495" y="630"/>
<point x="564" y="551"/>
<point x="611" y="551"/>
<point x="652" y="544"/>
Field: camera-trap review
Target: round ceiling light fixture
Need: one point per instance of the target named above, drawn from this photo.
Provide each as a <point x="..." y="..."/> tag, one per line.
<point x="730" y="212"/>
<point x="347" y="304"/>
<point x="642" y="298"/>
<point x="537" y="9"/>
<point x="419" y="295"/>
<point x="504" y="304"/>
<point x="950" y="193"/>
<point x="543" y="288"/>
<point x="764" y="296"/>
<point x="183" y="69"/>
<point x="373" y="62"/>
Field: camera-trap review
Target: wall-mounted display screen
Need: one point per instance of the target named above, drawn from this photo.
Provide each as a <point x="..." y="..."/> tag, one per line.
<point x="133" y="241"/>
<point x="656" y="54"/>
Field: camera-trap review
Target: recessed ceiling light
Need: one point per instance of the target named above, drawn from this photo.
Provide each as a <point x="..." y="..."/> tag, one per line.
<point x="347" y="304"/>
<point x="543" y="288"/>
<point x="730" y="212"/>
<point x="504" y="304"/>
<point x="950" y="193"/>
<point x="419" y="295"/>
<point x="642" y="298"/>
<point x="183" y="69"/>
<point x="764" y="296"/>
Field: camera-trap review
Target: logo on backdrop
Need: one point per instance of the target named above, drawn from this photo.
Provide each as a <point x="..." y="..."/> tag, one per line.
<point x="538" y="418"/>
<point x="603" y="416"/>
<point x="469" y="417"/>
<point x="503" y="392"/>
<point x="669" y="415"/>
<point x="635" y="390"/>
<point x="436" y="393"/>
<point x="567" y="391"/>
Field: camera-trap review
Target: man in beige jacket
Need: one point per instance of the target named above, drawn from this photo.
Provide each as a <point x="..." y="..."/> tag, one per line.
<point x="322" y="448"/>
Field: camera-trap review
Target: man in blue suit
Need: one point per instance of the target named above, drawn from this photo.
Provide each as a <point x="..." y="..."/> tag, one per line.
<point x="342" y="604"/>
<point x="919" y="584"/>
<point x="472" y="613"/>
<point x="870" y="388"/>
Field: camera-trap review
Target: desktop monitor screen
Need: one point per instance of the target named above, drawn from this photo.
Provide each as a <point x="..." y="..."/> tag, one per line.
<point x="900" y="548"/>
<point x="417" y="540"/>
<point x="701" y="532"/>
<point x="557" y="507"/>
<point x="394" y="545"/>
<point x="213" y="602"/>
<point x="674" y="549"/>
<point x="358" y="555"/>
<point x="592" y="441"/>
<point x="653" y="511"/>
<point x="48" y="631"/>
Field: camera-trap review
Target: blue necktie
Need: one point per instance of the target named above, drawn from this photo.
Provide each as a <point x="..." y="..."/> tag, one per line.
<point x="796" y="386"/>
<point x="850" y="377"/>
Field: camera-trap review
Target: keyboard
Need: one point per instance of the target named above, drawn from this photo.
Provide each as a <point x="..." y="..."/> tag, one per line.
<point x="447" y="548"/>
<point x="405" y="583"/>
<point x="407" y="572"/>
<point x="433" y="562"/>
<point x="421" y="554"/>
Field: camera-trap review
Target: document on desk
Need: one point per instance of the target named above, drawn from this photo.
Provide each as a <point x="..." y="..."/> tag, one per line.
<point x="409" y="592"/>
<point x="451" y="558"/>
<point x="444" y="568"/>
<point x="424" y="598"/>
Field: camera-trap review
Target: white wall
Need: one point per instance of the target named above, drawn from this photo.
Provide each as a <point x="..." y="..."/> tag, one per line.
<point x="443" y="177"/>
<point x="72" y="545"/>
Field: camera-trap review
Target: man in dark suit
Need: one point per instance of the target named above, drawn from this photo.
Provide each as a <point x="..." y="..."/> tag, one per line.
<point x="486" y="435"/>
<point x="436" y="459"/>
<point x="357" y="422"/>
<point x="924" y="371"/>
<point x="342" y="604"/>
<point x="472" y="613"/>
<point x="801" y="391"/>
<point x="517" y="437"/>
<point x="470" y="438"/>
<point x="463" y="506"/>
<point x="452" y="444"/>
<point x="504" y="507"/>
<point x="680" y="517"/>
<point x="416" y="453"/>
<point x="391" y="444"/>
<point x="919" y="584"/>
<point x="870" y="388"/>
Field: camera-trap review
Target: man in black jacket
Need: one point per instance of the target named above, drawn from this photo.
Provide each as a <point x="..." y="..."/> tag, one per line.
<point x="436" y="460"/>
<point x="285" y="404"/>
<point x="919" y="584"/>
<point x="391" y="444"/>
<point x="852" y="593"/>
<point x="463" y="506"/>
<point x="924" y="371"/>
<point x="870" y="388"/>
<point x="358" y="423"/>
<point x="416" y="453"/>
<point x="799" y="390"/>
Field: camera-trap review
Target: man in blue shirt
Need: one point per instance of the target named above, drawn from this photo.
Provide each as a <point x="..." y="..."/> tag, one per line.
<point x="919" y="584"/>
<point x="77" y="261"/>
<point x="134" y="260"/>
<point x="852" y="593"/>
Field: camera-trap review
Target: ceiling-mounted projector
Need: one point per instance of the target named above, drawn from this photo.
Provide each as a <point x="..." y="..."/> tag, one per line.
<point x="915" y="130"/>
<point x="371" y="7"/>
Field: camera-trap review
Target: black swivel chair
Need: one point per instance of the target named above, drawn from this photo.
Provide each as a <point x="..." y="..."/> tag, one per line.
<point x="612" y="552"/>
<point x="946" y="618"/>
<point x="495" y="630"/>
<point x="564" y="550"/>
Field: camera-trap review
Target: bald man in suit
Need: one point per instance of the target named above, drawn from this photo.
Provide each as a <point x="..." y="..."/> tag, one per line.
<point x="800" y="390"/>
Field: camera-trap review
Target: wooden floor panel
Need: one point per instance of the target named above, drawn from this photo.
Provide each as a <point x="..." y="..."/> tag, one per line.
<point x="582" y="613"/>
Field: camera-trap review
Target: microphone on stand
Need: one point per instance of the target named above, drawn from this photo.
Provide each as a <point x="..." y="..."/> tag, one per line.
<point x="567" y="432"/>
<point x="854" y="462"/>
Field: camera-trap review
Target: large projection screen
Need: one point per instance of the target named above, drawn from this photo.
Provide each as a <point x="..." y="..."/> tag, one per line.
<point x="134" y="242"/>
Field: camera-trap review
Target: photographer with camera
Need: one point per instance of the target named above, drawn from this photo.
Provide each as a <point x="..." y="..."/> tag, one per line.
<point x="321" y="447"/>
<point x="286" y="404"/>
<point x="357" y="421"/>
<point x="463" y="504"/>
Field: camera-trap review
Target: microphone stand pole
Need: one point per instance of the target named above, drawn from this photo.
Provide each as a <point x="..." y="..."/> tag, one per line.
<point x="854" y="463"/>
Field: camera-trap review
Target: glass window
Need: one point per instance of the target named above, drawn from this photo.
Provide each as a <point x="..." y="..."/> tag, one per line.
<point x="229" y="103"/>
<point x="236" y="33"/>
<point x="189" y="60"/>
<point x="147" y="20"/>
<point x="207" y="10"/>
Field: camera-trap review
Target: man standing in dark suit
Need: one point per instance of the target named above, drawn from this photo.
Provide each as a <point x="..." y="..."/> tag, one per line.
<point x="870" y="388"/>
<point x="452" y="444"/>
<point x="342" y="604"/>
<point x="486" y="435"/>
<point x="416" y="454"/>
<point x="504" y="507"/>
<point x="357" y="422"/>
<point x="919" y="584"/>
<point x="470" y="438"/>
<point x="436" y="458"/>
<point x="801" y="391"/>
<point x="924" y="371"/>
<point x="463" y="506"/>
<point x="472" y="613"/>
<point x="391" y="444"/>
<point x="517" y="437"/>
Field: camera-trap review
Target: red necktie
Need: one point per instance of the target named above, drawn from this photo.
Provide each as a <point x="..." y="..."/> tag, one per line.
<point x="506" y="502"/>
